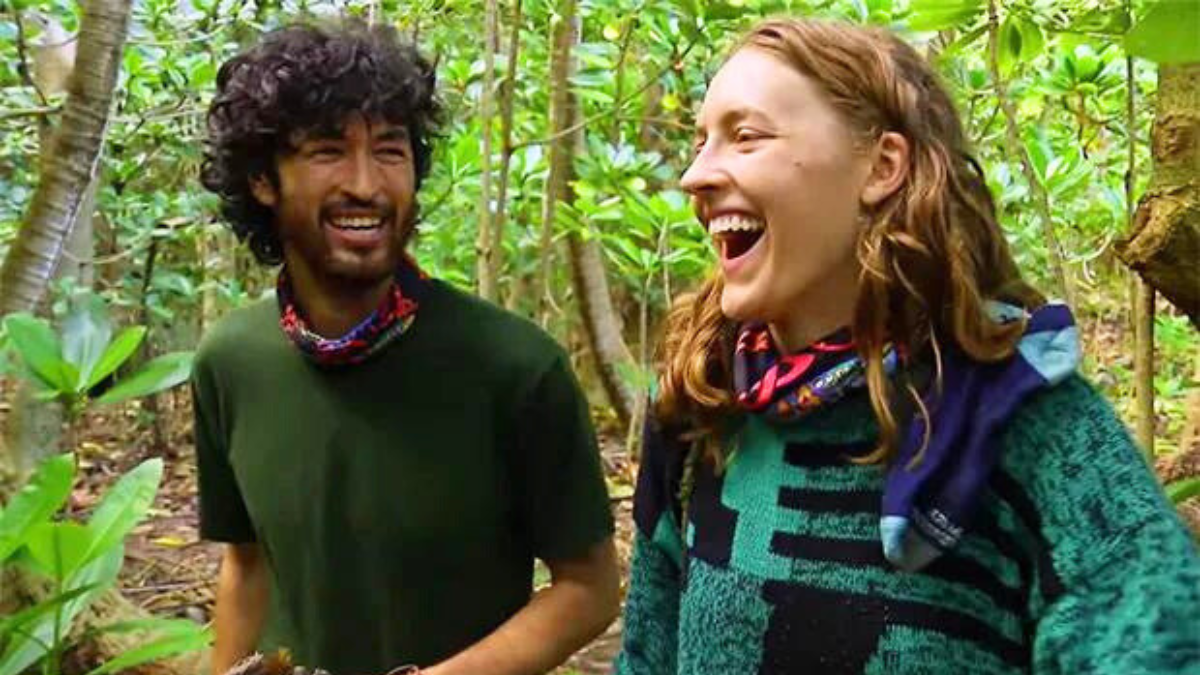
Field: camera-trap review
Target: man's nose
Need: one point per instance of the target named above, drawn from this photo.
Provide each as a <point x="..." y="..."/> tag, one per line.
<point x="365" y="179"/>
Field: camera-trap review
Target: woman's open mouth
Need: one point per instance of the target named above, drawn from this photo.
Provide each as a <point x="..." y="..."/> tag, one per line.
<point x="735" y="235"/>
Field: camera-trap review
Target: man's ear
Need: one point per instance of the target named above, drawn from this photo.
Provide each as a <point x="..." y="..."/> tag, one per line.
<point x="264" y="190"/>
<point x="889" y="168"/>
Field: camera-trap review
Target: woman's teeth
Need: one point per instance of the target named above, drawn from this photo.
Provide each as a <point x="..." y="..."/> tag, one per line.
<point x="736" y="223"/>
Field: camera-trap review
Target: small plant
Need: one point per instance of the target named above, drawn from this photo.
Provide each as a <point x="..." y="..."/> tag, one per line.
<point x="72" y="370"/>
<point x="81" y="561"/>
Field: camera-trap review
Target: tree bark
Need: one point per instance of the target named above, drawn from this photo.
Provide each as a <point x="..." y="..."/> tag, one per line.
<point x="561" y="115"/>
<point x="1142" y="295"/>
<point x="61" y="193"/>
<point x="1163" y="246"/>
<point x="507" y="95"/>
<point x="602" y="325"/>
<point x="33" y="430"/>
<point x="485" y="254"/>
<point x="1143" y="365"/>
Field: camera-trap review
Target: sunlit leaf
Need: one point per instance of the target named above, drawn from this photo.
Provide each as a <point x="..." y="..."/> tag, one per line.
<point x="39" y="499"/>
<point x="942" y="14"/>
<point x="1169" y="33"/>
<point x="161" y="373"/>
<point x="41" y="352"/>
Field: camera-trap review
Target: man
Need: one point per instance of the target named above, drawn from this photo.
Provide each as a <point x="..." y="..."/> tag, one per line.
<point x="383" y="455"/>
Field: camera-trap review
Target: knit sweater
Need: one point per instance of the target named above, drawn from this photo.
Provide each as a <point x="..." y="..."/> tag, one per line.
<point x="1075" y="563"/>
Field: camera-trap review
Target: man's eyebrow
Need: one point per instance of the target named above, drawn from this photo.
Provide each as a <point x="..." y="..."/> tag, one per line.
<point x="319" y="134"/>
<point x="393" y="134"/>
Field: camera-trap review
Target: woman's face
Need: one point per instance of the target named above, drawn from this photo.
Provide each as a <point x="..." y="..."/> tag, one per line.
<point x="777" y="180"/>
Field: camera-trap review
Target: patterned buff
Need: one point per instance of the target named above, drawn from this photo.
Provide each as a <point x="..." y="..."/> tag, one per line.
<point x="393" y="316"/>
<point x="786" y="387"/>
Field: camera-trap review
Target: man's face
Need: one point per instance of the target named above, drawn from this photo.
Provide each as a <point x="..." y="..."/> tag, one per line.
<point x="344" y="203"/>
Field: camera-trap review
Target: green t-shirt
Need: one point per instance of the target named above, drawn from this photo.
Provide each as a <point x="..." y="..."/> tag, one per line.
<point x="400" y="502"/>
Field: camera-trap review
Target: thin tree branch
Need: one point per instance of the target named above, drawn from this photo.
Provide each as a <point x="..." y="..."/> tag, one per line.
<point x="44" y="111"/>
<point x="23" y="60"/>
<point x="612" y="110"/>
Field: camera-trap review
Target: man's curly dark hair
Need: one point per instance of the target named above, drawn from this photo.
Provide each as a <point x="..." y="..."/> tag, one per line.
<point x="308" y="78"/>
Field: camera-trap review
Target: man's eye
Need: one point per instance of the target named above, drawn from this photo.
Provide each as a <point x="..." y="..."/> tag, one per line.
<point x="392" y="154"/>
<point x="325" y="152"/>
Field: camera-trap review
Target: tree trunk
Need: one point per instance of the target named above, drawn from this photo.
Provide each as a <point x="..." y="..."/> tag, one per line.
<point x="507" y="94"/>
<point x="1143" y="365"/>
<point x="561" y="116"/>
<point x="1164" y="244"/>
<point x="601" y="323"/>
<point x="485" y="254"/>
<point x="33" y="429"/>
<point x="61" y="192"/>
<point x="1142" y="295"/>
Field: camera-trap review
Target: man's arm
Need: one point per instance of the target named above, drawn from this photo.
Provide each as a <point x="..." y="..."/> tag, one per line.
<point x="583" y="598"/>
<point x="242" y="595"/>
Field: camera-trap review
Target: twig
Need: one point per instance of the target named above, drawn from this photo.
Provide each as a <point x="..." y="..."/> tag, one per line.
<point x="612" y="110"/>
<point x="23" y="61"/>
<point x="44" y="111"/>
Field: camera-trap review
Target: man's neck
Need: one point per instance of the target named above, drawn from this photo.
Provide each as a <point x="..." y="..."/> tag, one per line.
<point x="331" y="307"/>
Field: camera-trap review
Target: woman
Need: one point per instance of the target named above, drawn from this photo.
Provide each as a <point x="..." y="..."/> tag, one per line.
<point x="871" y="453"/>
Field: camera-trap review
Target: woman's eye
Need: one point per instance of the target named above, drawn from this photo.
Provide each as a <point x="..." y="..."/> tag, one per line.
<point x="746" y="135"/>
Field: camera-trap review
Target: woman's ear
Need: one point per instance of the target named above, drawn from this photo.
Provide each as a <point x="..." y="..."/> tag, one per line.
<point x="264" y="190"/>
<point x="889" y="168"/>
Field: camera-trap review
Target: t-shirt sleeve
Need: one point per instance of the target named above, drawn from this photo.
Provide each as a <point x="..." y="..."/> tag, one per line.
<point x="564" y="498"/>
<point x="223" y="515"/>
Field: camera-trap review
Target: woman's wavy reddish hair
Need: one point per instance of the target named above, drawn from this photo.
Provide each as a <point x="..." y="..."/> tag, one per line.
<point x="931" y="254"/>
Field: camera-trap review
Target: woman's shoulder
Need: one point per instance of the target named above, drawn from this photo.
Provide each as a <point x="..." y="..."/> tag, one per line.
<point x="1068" y="430"/>
<point x="1072" y="458"/>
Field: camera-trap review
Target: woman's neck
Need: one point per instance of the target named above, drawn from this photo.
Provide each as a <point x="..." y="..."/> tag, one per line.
<point x="819" y="313"/>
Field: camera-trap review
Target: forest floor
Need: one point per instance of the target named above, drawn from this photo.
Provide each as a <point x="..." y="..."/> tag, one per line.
<point x="170" y="572"/>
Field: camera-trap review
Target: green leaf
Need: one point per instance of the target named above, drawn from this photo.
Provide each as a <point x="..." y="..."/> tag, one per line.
<point x="122" y="508"/>
<point x="933" y="15"/>
<point x="27" y="647"/>
<point x="118" y="352"/>
<point x="1169" y="33"/>
<point x="38" y="346"/>
<point x="177" y="640"/>
<point x="46" y="492"/>
<point x="161" y="373"/>
<point x="1032" y="40"/>
<point x="86" y="333"/>
<point x="1182" y="490"/>
<point x="58" y="548"/>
